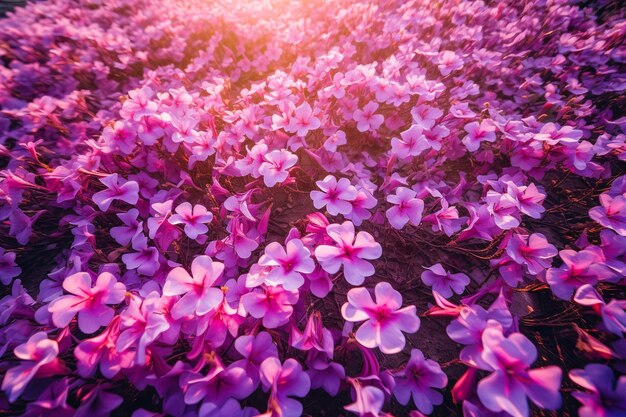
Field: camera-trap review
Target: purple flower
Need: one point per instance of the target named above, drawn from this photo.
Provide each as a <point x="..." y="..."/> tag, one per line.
<point x="444" y="282"/>
<point x="275" y="168"/>
<point x="384" y="319"/>
<point x="604" y="397"/>
<point x="288" y="264"/>
<point x="611" y="213"/>
<point x="194" y="219"/>
<point x="8" y="267"/>
<point x="285" y="381"/>
<point x="336" y="196"/>
<point x="117" y="189"/>
<point x="350" y="252"/>
<point x="366" y="119"/>
<point x="417" y="380"/>
<point x="533" y="251"/>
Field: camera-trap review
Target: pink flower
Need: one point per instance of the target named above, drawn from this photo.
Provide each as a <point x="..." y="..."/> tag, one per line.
<point x="285" y="381"/>
<point x="417" y="380"/>
<point x="8" y="267"/>
<point x="199" y="296"/>
<point x="579" y="268"/>
<point x="511" y="380"/>
<point x="39" y="356"/>
<point x="89" y="303"/>
<point x="384" y="319"/>
<point x="302" y="121"/>
<point x="125" y="234"/>
<point x="406" y="209"/>
<point x="275" y="169"/>
<point x="613" y="314"/>
<point x="336" y="196"/>
<point x="218" y="385"/>
<point x="448" y="62"/>
<point x="193" y="219"/>
<point x="288" y="264"/>
<point x="366" y="119"/>
<point x="350" y="252"/>
<point x="604" y="397"/>
<point x="272" y="304"/>
<point x="139" y="104"/>
<point x="444" y="282"/>
<point x="533" y="250"/>
<point x="369" y="400"/>
<point x="477" y="133"/>
<point x="426" y="116"/>
<point x="145" y="260"/>
<point x="336" y="139"/>
<point x="101" y="353"/>
<point x="413" y="143"/>
<point x="117" y="189"/>
<point x="611" y="213"/>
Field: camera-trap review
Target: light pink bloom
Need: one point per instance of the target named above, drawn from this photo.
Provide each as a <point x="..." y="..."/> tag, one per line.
<point x="139" y="104"/>
<point x="504" y="209"/>
<point x="444" y="282"/>
<point x="117" y="189"/>
<point x="511" y="381"/>
<point x="611" y="213"/>
<point x="336" y="139"/>
<point x="360" y="207"/>
<point x="406" y="208"/>
<point x="553" y="133"/>
<point x="38" y="355"/>
<point x="384" y="319"/>
<point x="276" y="166"/>
<point x="99" y="352"/>
<point x="335" y="195"/>
<point x="426" y="116"/>
<point x="302" y="120"/>
<point x="252" y="162"/>
<point x="477" y="133"/>
<point x="350" y="252"/>
<point x="449" y="61"/>
<point x="285" y="381"/>
<point x="198" y="294"/>
<point x="413" y="143"/>
<point x="193" y="219"/>
<point x="89" y="303"/>
<point x="417" y="380"/>
<point x="288" y="264"/>
<point x="272" y="304"/>
<point x="366" y="119"/>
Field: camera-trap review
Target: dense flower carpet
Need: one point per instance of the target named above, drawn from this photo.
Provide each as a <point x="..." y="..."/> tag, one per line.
<point x="313" y="208"/>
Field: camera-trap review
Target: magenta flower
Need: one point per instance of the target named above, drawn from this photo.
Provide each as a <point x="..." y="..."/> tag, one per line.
<point x="579" y="268"/>
<point x="39" y="356"/>
<point x="198" y="294"/>
<point x="366" y="119"/>
<point x="139" y="104"/>
<point x="477" y="133"/>
<point x="444" y="282"/>
<point x="413" y="143"/>
<point x="8" y="267"/>
<point x="194" y="219"/>
<point x="272" y="304"/>
<point x="288" y="264"/>
<point x="117" y="189"/>
<point x="302" y="121"/>
<point x="336" y="196"/>
<point x="448" y="62"/>
<point x="611" y="213"/>
<point x="125" y="234"/>
<point x="533" y="251"/>
<point x="604" y="397"/>
<point x="384" y="319"/>
<point x="90" y="303"/>
<point x="511" y="381"/>
<point x="275" y="168"/>
<point x="613" y="314"/>
<point x="426" y="116"/>
<point x="285" y="381"/>
<point x="350" y="252"/>
<point x="254" y="349"/>
<point x="101" y="353"/>
<point x="417" y="380"/>
<point x="406" y="208"/>
<point x="218" y="385"/>
<point x="146" y="258"/>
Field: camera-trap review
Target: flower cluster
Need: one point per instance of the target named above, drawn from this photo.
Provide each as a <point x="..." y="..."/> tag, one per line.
<point x="221" y="208"/>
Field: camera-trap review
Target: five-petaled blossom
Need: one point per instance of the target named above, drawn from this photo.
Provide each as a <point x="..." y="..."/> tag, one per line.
<point x="288" y="264"/>
<point x="335" y="195"/>
<point x="349" y="251"/>
<point x="385" y="320"/>
<point x="406" y="208"/>
<point x="444" y="282"/>
<point x="199" y="296"/>
<point x="275" y="168"/>
<point x="90" y="303"/>
<point x="194" y="219"/>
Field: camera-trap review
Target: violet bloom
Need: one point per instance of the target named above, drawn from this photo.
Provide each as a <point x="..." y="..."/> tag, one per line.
<point x="413" y="143"/>
<point x="350" y="252"/>
<point x="194" y="219"/>
<point x="604" y="397"/>
<point x="199" y="295"/>
<point x="611" y="213"/>
<point x="335" y="195"/>
<point x="8" y="267"/>
<point x="272" y="304"/>
<point x="218" y="385"/>
<point x="384" y="319"/>
<point x="366" y="119"/>
<point x="444" y="282"/>
<point x="288" y="264"/>
<point x="117" y="189"/>
<point x="275" y="168"/>
<point x="477" y="133"/>
<point x="426" y="116"/>
<point x="406" y="208"/>
<point x="125" y="234"/>
<point x="302" y="120"/>
<point x="579" y="268"/>
<point x="533" y="250"/>
<point x="90" y="303"/>
<point x="417" y="380"/>
<point x="146" y="258"/>
<point x="511" y="381"/>
<point x="368" y="400"/>
<point x="285" y="381"/>
<point x="254" y="349"/>
<point x="38" y="355"/>
<point x="613" y="314"/>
